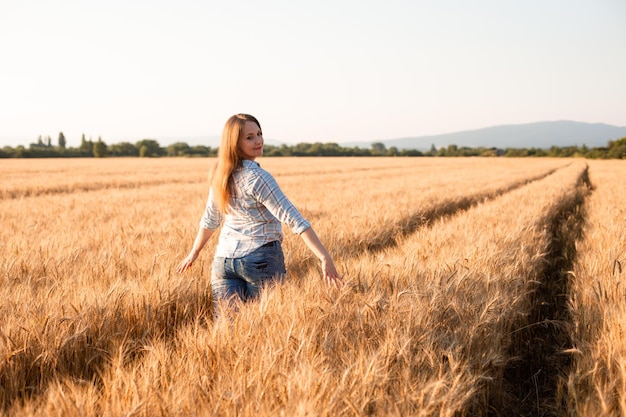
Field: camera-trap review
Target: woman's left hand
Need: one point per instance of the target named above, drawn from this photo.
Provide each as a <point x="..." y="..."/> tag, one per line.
<point x="331" y="276"/>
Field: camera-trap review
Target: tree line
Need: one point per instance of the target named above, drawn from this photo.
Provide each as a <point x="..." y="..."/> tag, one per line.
<point x="44" y="148"/>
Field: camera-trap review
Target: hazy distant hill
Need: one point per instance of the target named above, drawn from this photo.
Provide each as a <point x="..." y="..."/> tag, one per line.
<point x="530" y="135"/>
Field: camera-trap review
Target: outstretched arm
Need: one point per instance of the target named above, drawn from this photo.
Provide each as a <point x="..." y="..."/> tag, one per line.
<point x="201" y="239"/>
<point x="331" y="276"/>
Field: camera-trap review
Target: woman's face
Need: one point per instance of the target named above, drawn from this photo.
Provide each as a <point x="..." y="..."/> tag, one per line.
<point x="250" y="141"/>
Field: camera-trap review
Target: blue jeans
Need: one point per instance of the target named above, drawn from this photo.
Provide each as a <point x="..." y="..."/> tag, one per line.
<point x="244" y="277"/>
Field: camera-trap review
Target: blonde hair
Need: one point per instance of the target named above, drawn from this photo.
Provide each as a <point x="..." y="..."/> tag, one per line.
<point x="228" y="159"/>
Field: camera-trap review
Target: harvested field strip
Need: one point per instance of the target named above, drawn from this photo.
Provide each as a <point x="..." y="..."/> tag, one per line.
<point x="597" y="379"/>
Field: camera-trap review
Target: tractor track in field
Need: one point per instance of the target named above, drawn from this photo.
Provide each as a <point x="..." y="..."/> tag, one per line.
<point x="411" y="223"/>
<point x="534" y="382"/>
<point x="536" y="376"/>
<point x="86" y="188"/>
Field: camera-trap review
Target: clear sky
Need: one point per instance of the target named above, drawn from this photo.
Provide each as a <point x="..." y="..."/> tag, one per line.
<point x="323" y="70"/>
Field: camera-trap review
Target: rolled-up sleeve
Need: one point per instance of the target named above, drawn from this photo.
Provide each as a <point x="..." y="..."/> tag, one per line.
<point x="268" y="193"/>
<point x="212" y="217"/>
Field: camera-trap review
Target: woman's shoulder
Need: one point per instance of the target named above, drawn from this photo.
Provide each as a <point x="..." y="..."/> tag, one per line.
<point x="254" y="167"/>
<point x="251" y="174"/>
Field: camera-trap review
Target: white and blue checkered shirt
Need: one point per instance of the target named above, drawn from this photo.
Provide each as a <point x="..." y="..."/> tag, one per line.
<point x="255" y="213"/>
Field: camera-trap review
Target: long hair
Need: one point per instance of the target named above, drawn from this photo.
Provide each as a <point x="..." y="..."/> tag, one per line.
<point x="228" y="159"/>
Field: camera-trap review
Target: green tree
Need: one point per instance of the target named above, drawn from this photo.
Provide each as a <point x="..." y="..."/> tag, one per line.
<point x="323" y="149"/>
<point x="152" y="148"/>
<point x="201" y="150"/>
<point x="555" y="151"/>
<point x="62" y="141"/>
<point x="285" y="150"/>
<point x="617" y="149"/>
<point x="411" y="152"/>
<point x="178" y="149"/>
<point x="99" y="148"/>
<point x="269" y="150"/>
<point x="6" y="152"/>
<point x="301" y="149"/>
<point x="21" y="152"/>
<point x="379" y="148"/>
<point x="584" y="150"/>
<point x="86" y="146"/>
<point x="331" y="149"/>
<point x="123" y="149"/>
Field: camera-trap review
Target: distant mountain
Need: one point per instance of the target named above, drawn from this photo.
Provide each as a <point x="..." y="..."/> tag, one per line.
<point x="531" y="135"/>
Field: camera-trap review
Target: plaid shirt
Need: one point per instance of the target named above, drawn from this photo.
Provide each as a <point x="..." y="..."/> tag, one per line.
<point x="255" y="213"/>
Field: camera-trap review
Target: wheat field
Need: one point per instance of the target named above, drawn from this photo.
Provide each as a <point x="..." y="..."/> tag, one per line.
<point x="474" y="287"/>
<point x="597" y="382"/>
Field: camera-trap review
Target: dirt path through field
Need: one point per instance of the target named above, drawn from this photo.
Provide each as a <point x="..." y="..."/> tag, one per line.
<point x="535" y="375"/>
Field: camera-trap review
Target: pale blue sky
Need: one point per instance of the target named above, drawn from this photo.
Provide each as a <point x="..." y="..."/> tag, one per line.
<point x="323" y="70"/>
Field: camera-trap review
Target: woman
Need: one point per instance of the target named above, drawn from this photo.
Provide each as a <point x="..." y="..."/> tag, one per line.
<point x="249" y="252"/>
